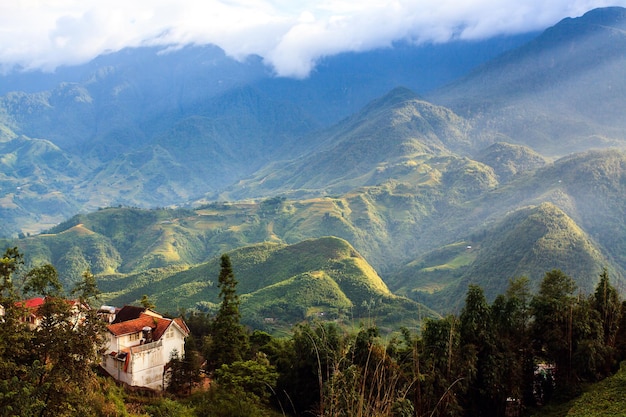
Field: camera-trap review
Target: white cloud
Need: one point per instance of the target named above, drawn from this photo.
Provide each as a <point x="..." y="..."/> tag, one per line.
<point x="291" y="35"/>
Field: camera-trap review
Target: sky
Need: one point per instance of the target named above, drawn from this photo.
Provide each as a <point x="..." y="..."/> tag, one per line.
<point x="290" y="35"/>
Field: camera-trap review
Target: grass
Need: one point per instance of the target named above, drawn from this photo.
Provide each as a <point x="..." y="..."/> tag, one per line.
<point x="290" y="282"/>
<point x="605" y="398"/>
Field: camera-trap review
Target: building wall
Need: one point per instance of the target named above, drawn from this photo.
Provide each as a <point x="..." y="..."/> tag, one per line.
<point x="115" y="368"/>
<point x="146" y="363"/>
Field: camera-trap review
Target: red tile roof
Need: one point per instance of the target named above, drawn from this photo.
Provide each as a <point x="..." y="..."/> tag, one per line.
<point x="158" y="326"/>
<point x="182" y="324"/>
<point x="32" y="303"/>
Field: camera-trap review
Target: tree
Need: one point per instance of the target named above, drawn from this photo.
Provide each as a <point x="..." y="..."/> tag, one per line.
<point x="43" y="280"/>
<point x="607" y="303"/>
<point x="10" y="263"/>
<point x="256" y="378"/>
<point x="183" y="373"/>
<point x="485" y="361"/>
<point x="306" y="362"/>
<point x="16" y="389"/>
<point x="47" y="370"/>
<point x="229" y="338"/>
<point x="87" y="289"/>
<point x="146" y="302"/>
<point x="511" y="318"/>
<point x="444" y="370"/>
<point x="553" y="309"/>
<point x="589" y="352"/>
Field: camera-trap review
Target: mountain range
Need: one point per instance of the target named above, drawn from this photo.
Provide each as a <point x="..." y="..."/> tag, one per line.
<point x="145" y="166"/>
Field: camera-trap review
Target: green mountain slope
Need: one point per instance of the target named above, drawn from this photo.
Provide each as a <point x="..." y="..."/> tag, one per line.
<point x="562" y="92"/>
<point x="386" y="222"/>
<point x="509" y="161"/>
<point x="363" y="149"/>
<point x="528" y="242"/>
<point x="105" y="145"/>
<point x="322" y="277"/>
<point x="36" y="177"/>
<point x="431" y="204"/>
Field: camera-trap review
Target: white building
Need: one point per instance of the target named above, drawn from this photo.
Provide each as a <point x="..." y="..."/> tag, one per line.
<point x="140" y="344"/>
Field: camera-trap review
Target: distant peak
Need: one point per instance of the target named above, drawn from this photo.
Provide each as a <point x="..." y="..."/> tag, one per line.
<point x="396" y="96"/>
<point x="605" y="16"/>
<point x="402" y="93"/>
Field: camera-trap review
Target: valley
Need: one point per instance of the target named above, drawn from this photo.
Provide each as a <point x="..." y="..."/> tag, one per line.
<point x="427" y="226"/>
<point x="143" y="170"/>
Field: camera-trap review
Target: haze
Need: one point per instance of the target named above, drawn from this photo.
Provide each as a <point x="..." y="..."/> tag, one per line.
<point x="290" y="36"/>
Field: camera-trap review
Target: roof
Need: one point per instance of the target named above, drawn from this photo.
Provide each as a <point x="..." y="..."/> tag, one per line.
<point x="181" y="323"/>
<point x="127" y="313"/>
<point x="158" y="325"/>
<point x="32" y="303"/>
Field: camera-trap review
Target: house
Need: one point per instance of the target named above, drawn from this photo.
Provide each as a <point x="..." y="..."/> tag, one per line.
<point x="32" y="306"/>
<point x="33" y="316"/>
<point x="140" y="343"/>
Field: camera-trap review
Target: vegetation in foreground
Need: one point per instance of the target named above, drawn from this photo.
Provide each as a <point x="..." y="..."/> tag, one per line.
<point x="518" y="354"/>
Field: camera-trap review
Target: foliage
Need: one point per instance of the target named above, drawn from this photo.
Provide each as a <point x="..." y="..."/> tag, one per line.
<point x="183" y="373"/>
<point x="217" y="402"/>
<point x="485" y="361"/>
<point x="257" y="378"/>
<point x="317" y="278"/>
<point x="169" y="408"/>
<point x="46" y="369"/>
<point x="553" y="310"/>
<point x="229" y="339"/>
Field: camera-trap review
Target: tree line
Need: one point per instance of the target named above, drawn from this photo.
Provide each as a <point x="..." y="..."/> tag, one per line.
<point x="499" y="358"/>
<point x="503" y="358"/>
<point x="48" y="369"/>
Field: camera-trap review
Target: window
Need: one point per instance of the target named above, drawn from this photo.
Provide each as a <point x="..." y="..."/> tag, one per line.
<point x="170" y="333"/>
<point x="134" y="336"/>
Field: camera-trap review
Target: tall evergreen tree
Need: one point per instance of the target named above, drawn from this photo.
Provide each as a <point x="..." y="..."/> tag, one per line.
<point x="444" y="369"/>
<point x="230" y="340"/>
<point x="607" y="303"/>
<point x="512" y="320"/>
<point x="553" y="309"/>
<point x="486" y="394"/>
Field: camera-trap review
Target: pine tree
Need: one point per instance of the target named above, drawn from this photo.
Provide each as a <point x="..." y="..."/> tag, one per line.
<point x="608" y="305"/>
<point x="553" y="309"/>
<point x="229" y="341"/>
<point x="477" y="340"/>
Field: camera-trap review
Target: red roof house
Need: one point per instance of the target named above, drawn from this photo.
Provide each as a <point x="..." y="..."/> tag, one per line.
<point x="140" y="344"/>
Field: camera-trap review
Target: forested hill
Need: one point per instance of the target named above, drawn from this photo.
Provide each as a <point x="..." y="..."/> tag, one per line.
<point x="445" y="223"/>
<point x="213" y="129"/>
<point x="403" y="178"/>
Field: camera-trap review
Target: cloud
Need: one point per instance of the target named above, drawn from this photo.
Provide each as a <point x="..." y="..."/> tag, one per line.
<point x="291" y="36"/>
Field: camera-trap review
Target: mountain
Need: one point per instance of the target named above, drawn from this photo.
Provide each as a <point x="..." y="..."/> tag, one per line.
<point x="408" y="182"/>
<point x="152" y="127"/>
<point x="528" y="242"/>
<point x="415" y="229"/>
<point x="35" y="180"/>
<point x="279" y="285"/>
<point x="364" y="148"/>
<point x="561" y="92"/>
<point x="509" y="161"/>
